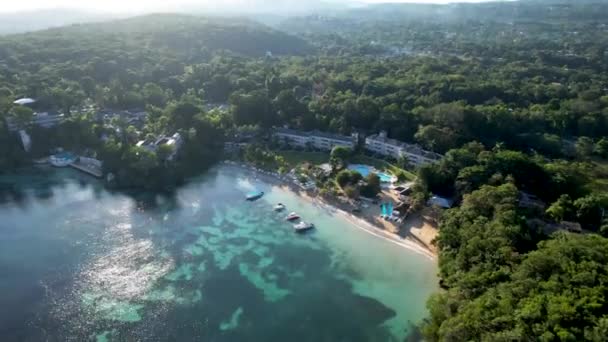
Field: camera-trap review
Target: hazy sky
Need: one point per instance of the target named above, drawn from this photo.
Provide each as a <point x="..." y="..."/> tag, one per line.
<point x="152" y="5"/>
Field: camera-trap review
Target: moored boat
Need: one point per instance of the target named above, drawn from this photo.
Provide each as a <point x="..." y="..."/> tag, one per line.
<point x="62" y="160"/>
<point x="255" y="196"/>
<point x="302" y="227"/>
<point x="292" y="217"/>
<point x="279" y="207"/>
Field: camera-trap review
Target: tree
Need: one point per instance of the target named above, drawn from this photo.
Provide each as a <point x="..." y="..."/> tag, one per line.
<point x="22" y="115"/>
<point x="343" y="178"/>
<point x="591" y="209"/>
<point x="351" y="191"/>
<point x="339" y="157"/>
<point x="252" y="109"/>
<point x="584" y="147"/>
<point x="348" y="177"/>
<point x="372" y="186"/>
<point x="182" y="113"/>
<point x="601" y="148"/>
<point x="434" y="138"/>
<point x="154" y="95"/>
<point x="562" y="209"/>
<point x="556" y="294"/>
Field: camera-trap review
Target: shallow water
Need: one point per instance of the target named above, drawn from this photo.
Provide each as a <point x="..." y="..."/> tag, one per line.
<point x="81" y="263"/>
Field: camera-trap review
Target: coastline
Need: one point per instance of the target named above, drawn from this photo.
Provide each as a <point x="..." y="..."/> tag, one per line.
<point x="409" y="242"/>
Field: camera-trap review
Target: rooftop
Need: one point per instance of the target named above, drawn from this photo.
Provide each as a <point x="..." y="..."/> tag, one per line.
<point x="315" y="133"/>
<point x="24" y="101"/>
<point x="411" y="148"/>
<point x="440" y="202"/>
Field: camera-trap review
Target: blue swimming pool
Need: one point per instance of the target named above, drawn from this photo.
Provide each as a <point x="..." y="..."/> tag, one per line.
<point x="365" y="170"/>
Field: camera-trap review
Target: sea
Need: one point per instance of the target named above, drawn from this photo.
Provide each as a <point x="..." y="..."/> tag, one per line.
<point x="79" y="262"/>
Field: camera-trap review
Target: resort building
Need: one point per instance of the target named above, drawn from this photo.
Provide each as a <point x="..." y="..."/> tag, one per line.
<point x="314" y="139"/>
<point x="381" y="144"/>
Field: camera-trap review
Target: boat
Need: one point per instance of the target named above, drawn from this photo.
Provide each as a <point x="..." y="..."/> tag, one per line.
<point x="279" y="207"/>
<point x="62" y="160"/>
<point x="255" y="196"/>
<point x="302" y="227"/>
<point x="292" y="217"/>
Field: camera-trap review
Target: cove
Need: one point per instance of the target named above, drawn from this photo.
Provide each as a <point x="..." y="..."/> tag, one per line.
<point x="79" y="262"/>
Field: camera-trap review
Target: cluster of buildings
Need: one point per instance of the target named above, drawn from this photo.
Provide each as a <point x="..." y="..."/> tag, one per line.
<point x="378" y="144"/>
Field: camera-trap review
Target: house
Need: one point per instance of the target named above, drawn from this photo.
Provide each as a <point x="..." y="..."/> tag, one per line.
<point x="381" y="144"/>
<point x="314" y="139"/>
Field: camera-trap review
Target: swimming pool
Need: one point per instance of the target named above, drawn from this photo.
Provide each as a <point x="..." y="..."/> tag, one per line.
<point x="365" y="170"/>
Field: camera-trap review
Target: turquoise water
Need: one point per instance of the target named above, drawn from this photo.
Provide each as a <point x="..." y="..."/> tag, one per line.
<point x="365" y="170"/>
<point x="81" y="263"/>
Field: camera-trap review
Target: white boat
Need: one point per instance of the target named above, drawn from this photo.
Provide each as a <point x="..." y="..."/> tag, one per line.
<point x="62" y="160"/>
<point x="303" y="226"/>
<point x="279" y="207"/>
<point x="292" y="217"/>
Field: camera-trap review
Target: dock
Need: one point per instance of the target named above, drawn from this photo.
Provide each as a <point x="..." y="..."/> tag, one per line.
<point x="88" y="165"/>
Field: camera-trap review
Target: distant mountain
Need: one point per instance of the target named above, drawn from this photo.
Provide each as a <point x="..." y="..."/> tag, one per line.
<point x="20" y="22"/>
<point x="183" y="36"/>
<point x="353" y="18"/>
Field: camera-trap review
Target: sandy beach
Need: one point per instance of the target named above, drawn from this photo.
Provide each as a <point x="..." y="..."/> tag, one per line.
<point x="416" y="233"/>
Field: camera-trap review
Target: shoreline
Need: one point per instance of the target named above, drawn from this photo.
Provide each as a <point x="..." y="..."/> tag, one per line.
<point x="359" y="222"/>
<point x="364" y="225"/>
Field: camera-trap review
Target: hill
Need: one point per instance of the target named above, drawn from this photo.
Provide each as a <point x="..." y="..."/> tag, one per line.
<point x="21" y="22"/>
<point x="185" y="38"/>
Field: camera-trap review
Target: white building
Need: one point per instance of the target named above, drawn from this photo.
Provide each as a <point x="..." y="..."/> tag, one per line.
<point x="381" y="144"/>
<point x="314" y="139"/>
<point x="175" y="141"/>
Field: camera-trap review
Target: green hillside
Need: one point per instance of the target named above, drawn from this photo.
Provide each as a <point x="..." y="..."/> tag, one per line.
<point x="187" y="38"/>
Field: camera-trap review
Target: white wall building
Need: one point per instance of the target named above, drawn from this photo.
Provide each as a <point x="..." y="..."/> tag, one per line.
<point x="314" y="139"/>
<point x="381" y="144"/>
<point x="175" y="141"/>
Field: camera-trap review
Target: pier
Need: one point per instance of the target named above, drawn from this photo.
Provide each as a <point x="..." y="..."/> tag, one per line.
<point x="88" y="165"/>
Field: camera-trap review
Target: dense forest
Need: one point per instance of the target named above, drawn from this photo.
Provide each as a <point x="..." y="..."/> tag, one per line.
<point x="515" y="95"/>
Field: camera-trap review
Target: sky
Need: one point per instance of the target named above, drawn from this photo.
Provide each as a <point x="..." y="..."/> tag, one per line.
<point x="165" y="5"/>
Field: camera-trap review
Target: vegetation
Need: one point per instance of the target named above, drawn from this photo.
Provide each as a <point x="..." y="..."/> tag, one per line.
<point x="295" y="158"/>
<point x="513" y="94"/>
<point x="340" y="157"/>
